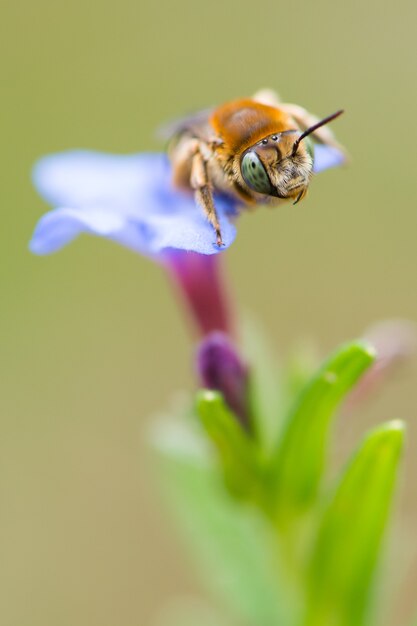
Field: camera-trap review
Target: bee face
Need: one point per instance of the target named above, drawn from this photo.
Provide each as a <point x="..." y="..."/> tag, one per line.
<point x="271" y="167"/>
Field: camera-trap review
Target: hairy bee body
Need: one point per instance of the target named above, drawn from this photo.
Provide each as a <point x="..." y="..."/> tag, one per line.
<point x="255" y="149"/>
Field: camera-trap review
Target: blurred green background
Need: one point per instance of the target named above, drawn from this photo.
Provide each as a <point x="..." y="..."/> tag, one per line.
<point x="92" y="342"/>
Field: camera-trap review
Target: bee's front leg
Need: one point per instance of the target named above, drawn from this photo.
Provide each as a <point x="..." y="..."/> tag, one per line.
<point x="203" y="193"/>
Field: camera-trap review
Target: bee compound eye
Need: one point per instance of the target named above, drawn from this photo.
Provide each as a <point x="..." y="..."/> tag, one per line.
<point x="254" y="173"/>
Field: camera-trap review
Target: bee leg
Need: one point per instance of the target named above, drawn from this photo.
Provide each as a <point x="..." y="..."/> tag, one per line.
<point x="181" y="154"/>
<point x="203" y="193"/>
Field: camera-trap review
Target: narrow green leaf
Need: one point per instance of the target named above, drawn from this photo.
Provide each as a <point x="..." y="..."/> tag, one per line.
<point x="301" y="365"/>
<point x="349" y="537"/>
<point x="237" y="451"/>
<point x="230" y="542"/>
<point x="299" y="460"/>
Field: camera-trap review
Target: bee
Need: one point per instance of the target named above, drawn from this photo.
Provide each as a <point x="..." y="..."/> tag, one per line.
<point x="257" y="150"/>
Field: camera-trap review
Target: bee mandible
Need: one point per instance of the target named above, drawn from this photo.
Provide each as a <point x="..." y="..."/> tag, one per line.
<point x="258" y="150"/>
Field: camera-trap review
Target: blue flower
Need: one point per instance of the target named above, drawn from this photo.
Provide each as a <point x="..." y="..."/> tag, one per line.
<point x="129" y="199"/>
<point x="126" y="198"/>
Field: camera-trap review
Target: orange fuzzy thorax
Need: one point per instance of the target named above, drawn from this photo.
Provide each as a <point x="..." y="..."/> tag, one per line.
<point x="242" y="123"/>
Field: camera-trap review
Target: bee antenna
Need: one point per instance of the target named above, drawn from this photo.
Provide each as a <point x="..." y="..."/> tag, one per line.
<point x="310" y="130"/>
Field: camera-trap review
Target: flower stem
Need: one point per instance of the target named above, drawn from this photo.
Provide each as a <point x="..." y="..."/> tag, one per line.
<point x="199" y="279"/>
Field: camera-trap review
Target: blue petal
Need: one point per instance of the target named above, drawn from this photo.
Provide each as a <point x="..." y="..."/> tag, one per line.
<point x="128" y="199"/>
<point x="81" y="178"/>
<point x="59" y="227"/>
<point x="326" y="157"/>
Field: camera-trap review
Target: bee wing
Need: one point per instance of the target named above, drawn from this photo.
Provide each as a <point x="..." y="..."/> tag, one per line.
<point x="191" y="123"/>
<point x="268" y="97"/>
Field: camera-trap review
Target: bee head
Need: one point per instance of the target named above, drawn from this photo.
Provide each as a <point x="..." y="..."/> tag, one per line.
<point x="270" y="167"/>
<point x="281" y="165"/>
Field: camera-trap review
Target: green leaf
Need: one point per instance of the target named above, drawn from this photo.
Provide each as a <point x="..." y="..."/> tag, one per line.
<point x="301" y="365"/>
<point x="349" y="537"/>
<point x="230" y="542"/>
<point x="238" y="454"/>
<point x="299" y="460"/>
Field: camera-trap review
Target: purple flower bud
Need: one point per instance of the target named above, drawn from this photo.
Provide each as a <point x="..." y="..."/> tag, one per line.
<point x="221" y="368"/>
